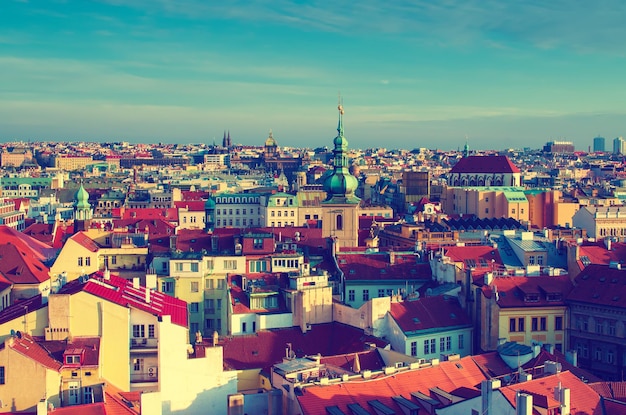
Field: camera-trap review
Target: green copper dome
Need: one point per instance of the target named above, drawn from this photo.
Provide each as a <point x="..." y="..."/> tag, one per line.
<point x="340" y="185"/>
<point x="82" y="198"/>
<point x="209" y="204"/>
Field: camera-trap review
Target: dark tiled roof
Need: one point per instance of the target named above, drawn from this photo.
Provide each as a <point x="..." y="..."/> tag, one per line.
<point x="362" y="266"/>
<point x="266" y="348"/>
<point x="600" y="284"/>
<point x="429" y="313"/>
<point x="529" y="291"/>
<point x="484" y="164"/>
<point x="21" y="266"/>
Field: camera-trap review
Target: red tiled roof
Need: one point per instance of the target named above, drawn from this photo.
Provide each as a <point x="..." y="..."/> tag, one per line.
<point x="429" y="313"/>
<point x="600" y="284"/>
<point x="121" y="291"/>
<point x="513" y="290"/>
<point x="265" y="348"/>
<point x="448" y="376"/>
<point x="41" y="232"/>
<point x="25" y="243"/>
<point x="83" y="240"/>
<point x="598" y="254"/>
<point x="481" y="255"/>
<point x="368" y="360"/>
<point x="20" y="308"/>
<point x="613" y="390"/>
<point x="118" y="402"/>
<point x="361" y="266"/>
<point x="85" y="409"/>
<point x="21" y="266"/>
<point x="484" y="164"/>
<point x="170" y="214"/>
<point x="583" y="399"/>
<point x="25" y="345"/>
<point x="191" y="205"/>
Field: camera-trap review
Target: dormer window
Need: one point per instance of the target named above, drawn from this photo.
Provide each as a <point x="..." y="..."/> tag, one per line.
<point x="531" y="298"/>
<point x="554" y="297"/>
<point x="72" y="359"/>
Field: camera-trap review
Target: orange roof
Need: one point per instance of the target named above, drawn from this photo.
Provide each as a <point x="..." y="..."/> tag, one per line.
<point x="25" y="345"/>
<point x="448" y="376"/>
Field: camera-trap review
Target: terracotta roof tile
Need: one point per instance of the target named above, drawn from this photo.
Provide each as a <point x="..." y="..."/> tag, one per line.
<point x="447" y="375"/>
<point x="516" y="291"/>
<point x="121" y="291"/>
<point x="362" y="266"/>
<point x="25" y="345"/>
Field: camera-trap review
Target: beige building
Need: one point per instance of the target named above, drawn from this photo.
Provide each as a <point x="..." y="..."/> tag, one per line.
<point x="71" y="163"/>
<point x="602" y="221"/>
<point x="15" y="158"/>
<point x="486" y="202"/>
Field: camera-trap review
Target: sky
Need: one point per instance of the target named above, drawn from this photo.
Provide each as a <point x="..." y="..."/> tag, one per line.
<point x="411" y="73"/>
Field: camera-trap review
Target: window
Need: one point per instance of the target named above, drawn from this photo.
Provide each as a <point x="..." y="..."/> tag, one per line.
<point x="426" y="347"/>
<point x="610" y="356"/>
<point x="221" y="284"/>
<point x="139" y="330"/>
<point x="539" y="260"/>
<point x="243" y="327"/>
<point x="1" y="375"/>
<point x="87" y="261"/>
<point x="542" y="324"/>
<point x="520" y="324"/>
<point x="389" y="292"/>
<point x="448" y="343"/>
<point x="531" y="260"/>
<point x="535" y="324"/>
<point x="611" y="328"/>
<point x="381" y="292"/>
<point x="80" y="261"/>
<point x="512" y="325"/>
<point x="257" y="243"/>
<point x="167" y="286"/>
<point x="558" y="323"/>
<point x="413" y="348"/>
<point x="151" y="331"/>
<point x="559" y="347"/>
<point x="194" y="267"/>
<point x="461" y="342"/>
<point x="194" y="327"/>
<point x="219" y="303"/>
<point x="351" y="295"/>
<point x="178" y="266"/>
<point x="209" y="322"/>
<point x="193" y="308"/>
<point x="113" y="259"/>
<point x="230" y="264"/>
<point x="432" y="346"/>
<point x="72" y="360"/>
<point x="597" y="355"/>
<point x="164" y="266"/>
<point x="521" y="211"/>
<point x="138" y="365"/>
<point x="208" y="284"/>
<point x="442" y="344"/>
<point x="219" y="324"/>
<point x="366" y="295"/>
<point x="339" y="222"/>
<point x="194" y="286"/>
<point x="88" y="394"/>
<point x="600" y="327"/>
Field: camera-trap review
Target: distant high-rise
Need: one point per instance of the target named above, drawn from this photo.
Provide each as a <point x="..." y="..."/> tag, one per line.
<point x="619" y="145"/>
<point x="598" y="145"/>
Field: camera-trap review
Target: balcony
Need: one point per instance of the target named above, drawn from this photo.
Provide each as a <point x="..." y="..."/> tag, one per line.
<point x="143" y="344"/>
<point x="603" y="338"/>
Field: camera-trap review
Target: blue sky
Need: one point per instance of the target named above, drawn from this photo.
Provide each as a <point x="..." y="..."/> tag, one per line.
<point x="412" y="73"/>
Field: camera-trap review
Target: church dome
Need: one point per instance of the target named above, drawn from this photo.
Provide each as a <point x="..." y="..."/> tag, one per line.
<point x="82" y="198"/>
<point x="340" y="183"/>
<point x="209" y="204"/>
<point x="270" y="142"/>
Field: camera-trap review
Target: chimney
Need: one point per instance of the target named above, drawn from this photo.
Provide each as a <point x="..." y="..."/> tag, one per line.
<point x="523" y="404"/>
<point x="486" y="393"/>
<point x="148" y="299"/>
<point x="136" y="282"/>
<point x="488" y="278"/>
<point x="572" y="357"/>
<point x="552" y="367"/>
<point x="216" y="338"/>
<point x="392" y="257"/>
<point x="562" y="395"/>
<point x="107" y="274"/>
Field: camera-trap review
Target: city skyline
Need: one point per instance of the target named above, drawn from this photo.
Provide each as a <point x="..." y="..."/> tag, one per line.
<point x="412" y="74"/>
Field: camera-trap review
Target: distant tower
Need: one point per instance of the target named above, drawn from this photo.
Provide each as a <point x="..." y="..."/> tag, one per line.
<point x="619" y="145"/>
<point x="466" y="149"/>
<point x="598" y="145"/>
<point x="82" y="210"/>
<point x="340" y="216"/>
<point x="209" y="213"/>
<point x="271" y="147"/>
<point x="226" y="143"/>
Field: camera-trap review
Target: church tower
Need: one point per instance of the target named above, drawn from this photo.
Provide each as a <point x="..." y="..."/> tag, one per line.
<point x="340" y="210"/>
<point x="82" y="210"/>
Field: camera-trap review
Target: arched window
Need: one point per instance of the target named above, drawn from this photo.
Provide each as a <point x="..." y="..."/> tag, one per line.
<point x="339" y="222"/>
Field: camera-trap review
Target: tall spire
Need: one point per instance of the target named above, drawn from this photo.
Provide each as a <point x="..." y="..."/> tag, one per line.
<point x="340" y="123"/>
<point x="466" y="149"/>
